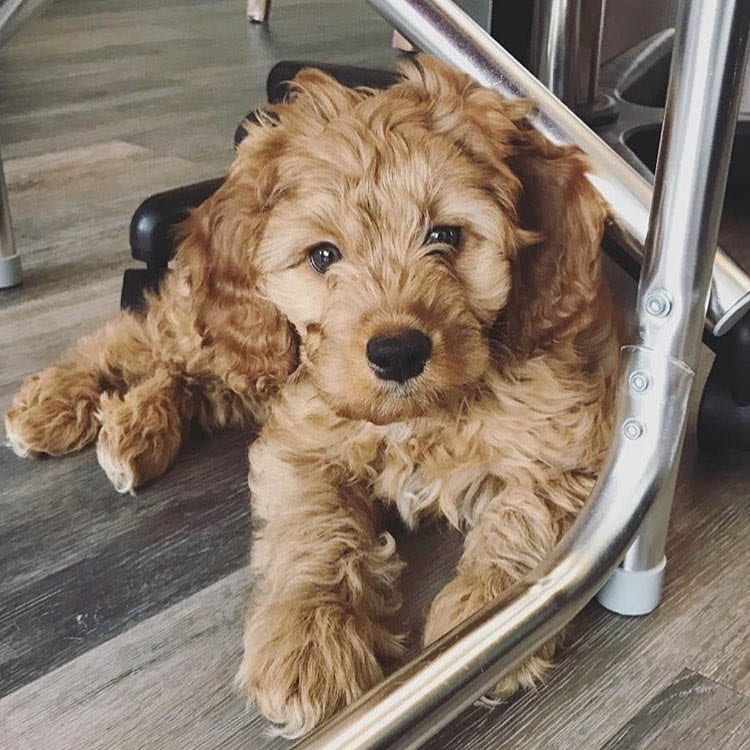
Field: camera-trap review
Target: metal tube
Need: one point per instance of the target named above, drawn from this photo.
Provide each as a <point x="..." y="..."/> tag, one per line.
<point x="426" y="694"/>
<point x="566" y="49"/>
<point x="12" y="14"/>
<point x="15" y="12"/>
<point x="695" y="150"/>
<point x="257" y="11"/>
<point x="443" y="29"/>
<point x="10" y="261"/>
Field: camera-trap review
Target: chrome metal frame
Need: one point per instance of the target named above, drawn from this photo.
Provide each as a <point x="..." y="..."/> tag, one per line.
<point x="10" y="261"/>
<point x="655" y="379"/>
<point x="258" y="10"/>
<point x="566" y="49"/>
<point x="12" y="14"/>
<point x="703" y="102"/>
<point x="15" y="12"/>
<point x="441" y="28"/>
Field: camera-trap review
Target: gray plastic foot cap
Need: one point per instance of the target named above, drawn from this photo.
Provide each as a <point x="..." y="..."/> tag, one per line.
<point x="10" y="271"/>
<point x="633" y="592"/>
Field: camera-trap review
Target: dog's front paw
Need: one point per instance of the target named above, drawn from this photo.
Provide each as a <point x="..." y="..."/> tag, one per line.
<point x="53" y="413"/>
<point x="302" y="663"/>
<point x="139" y="437"/>
<point x="456" y="602"/>
<point x="527" y="676"/>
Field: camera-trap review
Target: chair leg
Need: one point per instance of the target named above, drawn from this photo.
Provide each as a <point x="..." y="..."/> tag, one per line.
<point x="10" y="260"/>
<point x="258" y="10"/>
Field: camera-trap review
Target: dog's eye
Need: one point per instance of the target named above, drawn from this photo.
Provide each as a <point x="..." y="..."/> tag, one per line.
<point x="450" y="236"/>
<point x="323" y="256"/>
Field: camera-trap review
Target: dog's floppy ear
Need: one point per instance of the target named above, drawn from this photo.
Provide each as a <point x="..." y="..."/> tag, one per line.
<point x="559" y="284"/>
<point x="543" y="189"/>
<point x="249" y="342"/>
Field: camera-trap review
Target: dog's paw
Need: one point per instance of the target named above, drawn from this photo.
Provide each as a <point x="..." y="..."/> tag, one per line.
<point x="456" y="602"/>
<point x="54" y="413"/>
<point x="529" y="675"/>
<point x="139" y="437"/>
<point x="301" y="664"/>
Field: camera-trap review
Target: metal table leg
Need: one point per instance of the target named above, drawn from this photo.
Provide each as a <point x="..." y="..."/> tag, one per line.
<point x="708" y="66"/>
<point x="13" y="13"/>
<point x="10" y="260"/>
<point x="258" y="10"/>
<point x="566" y="43"/>
<point x="654" y="387"/>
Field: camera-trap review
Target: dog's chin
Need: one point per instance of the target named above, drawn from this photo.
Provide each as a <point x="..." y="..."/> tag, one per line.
<point x="387" y="402"/>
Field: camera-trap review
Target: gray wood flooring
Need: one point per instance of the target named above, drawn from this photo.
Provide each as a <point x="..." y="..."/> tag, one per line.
<point x="120" y="617"/>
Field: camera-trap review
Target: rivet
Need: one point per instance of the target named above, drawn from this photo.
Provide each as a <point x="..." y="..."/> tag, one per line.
<point x="659" y="304"/>
<point x="640" y="381"/>
<point x="632" y="429"/>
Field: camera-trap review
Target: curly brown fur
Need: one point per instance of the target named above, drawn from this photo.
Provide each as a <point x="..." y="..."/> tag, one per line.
<point x="503" y="433"/>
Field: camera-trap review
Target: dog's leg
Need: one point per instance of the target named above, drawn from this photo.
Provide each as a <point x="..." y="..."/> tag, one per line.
<point x="512" y="535"/>
<point x="112" y="384"/>
<point x="141" y="431"/>
<point x="326" y="579"/>
<point x="216" y="407"/>
<point x="55" y="412"/>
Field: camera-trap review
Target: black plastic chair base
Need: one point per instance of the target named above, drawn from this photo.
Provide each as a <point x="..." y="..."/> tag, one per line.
<point x="154" y="238"/>
<point x="724" y="412"/>
<point x="135" y="283"/>
<point x="153" y="228"/>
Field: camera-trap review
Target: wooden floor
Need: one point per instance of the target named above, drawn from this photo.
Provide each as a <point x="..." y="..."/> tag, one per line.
<point x="120" y="617"/>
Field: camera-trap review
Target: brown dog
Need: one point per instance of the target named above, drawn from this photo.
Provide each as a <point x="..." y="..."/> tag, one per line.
<point x="409" y="282"/>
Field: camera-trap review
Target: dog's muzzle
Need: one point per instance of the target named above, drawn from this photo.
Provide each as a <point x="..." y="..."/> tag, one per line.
<point x="399" y="357"/>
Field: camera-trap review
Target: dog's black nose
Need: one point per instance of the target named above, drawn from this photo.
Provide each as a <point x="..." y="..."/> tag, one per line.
<point x="401" y="356"/>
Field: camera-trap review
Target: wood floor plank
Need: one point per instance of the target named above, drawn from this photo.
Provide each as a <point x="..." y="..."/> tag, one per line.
<point x="692" y="713"/>
<point x="167" y="682"/>
<point x="107" y="561"/>
<point x="162" y="72"/>
<point x="75" y="248"/>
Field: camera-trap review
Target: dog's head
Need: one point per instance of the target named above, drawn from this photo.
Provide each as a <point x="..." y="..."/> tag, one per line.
<point x="412" y="236"/>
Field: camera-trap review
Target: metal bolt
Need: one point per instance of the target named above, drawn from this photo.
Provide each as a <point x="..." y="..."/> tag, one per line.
<point x="659" y="304"/>
<point x="640" y="381"/>
<point x="633" y="429"/>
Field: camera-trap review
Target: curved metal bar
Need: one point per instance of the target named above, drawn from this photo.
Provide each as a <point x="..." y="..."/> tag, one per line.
<point x="441" y="28"/>
<point x="425" y="695"/>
